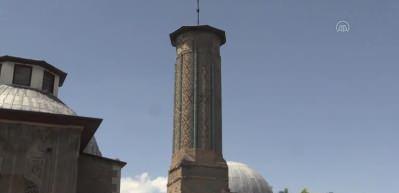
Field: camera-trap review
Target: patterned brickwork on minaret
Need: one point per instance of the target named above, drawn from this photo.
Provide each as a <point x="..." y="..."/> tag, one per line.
<point x="197" y="162"/>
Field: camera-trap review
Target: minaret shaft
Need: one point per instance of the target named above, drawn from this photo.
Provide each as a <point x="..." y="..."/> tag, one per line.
<point x="197" y="161"/>
<point x="197" y="115"/>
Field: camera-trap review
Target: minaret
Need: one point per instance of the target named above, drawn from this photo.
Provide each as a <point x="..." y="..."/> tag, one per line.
<point x="197" y="162"/>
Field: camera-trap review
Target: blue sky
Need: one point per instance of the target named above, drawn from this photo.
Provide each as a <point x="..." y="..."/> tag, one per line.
<point x="302" y="104"/>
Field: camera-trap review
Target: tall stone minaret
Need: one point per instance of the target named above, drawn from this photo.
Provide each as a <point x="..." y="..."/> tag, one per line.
<point x="197" y="163"/>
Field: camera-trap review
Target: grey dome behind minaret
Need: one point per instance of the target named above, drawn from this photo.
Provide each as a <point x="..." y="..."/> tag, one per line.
<point x="243" y="179"/>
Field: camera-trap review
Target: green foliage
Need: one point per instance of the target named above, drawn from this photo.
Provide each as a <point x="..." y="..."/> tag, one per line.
<point x="285" y="190"/>
<point x="305" y="190"/>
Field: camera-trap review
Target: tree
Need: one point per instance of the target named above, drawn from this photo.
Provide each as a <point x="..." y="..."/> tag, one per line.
<point x="305" y="190"/>
<point x="285" y="190"/>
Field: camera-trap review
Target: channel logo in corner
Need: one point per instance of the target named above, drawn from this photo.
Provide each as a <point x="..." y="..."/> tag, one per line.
<point x="342" y="26"/>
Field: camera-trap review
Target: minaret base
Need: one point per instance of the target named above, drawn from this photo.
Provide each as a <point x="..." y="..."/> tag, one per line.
<point x="191" y="177"/>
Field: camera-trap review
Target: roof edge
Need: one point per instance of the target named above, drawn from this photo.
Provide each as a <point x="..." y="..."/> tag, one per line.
<point x="119" y="162"/>
<point x="42" y="63"/>
<point x="220" y="33"/>
<point x="90" y="125"/>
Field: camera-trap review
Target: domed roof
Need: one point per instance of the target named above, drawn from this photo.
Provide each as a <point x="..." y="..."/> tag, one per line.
<point x="25" y="99"/>
<point x="243" y="179"/>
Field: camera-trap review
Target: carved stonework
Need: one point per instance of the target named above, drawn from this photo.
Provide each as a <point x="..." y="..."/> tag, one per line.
<point x="30" y="187"/>
<point x="204" y="102"/>
<point x="44" y="135"/>
<point x="187" y="101"/>
<point x="177" y="112"/>
<point x="35" y="167"/>
<point x="38" y="158"/>
<point x="186" y="45"/>
<point x="36" y="155"/>
<point x="218" y="107"/>
<point x="197" y="167"/>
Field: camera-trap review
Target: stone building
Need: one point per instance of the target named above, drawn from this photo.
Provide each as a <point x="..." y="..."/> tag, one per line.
<point x="197" y="164"/>
<point x="45" y="147"/>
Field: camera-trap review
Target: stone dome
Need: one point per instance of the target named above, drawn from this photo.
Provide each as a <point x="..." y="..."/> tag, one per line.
<point x="19" y="98"/>
<point x="27" y="99"/>
<point x="243" y="179"/>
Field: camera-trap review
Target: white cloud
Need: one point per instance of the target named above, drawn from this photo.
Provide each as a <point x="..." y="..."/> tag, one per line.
<point x="143" y="184"/>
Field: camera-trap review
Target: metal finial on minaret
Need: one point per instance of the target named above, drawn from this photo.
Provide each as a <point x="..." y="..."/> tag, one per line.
<point x="198" y="12"/>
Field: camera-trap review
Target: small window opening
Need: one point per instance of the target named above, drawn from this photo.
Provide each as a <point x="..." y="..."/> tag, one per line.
<point x="22" y="75"/>
<point x="48" y="82"/>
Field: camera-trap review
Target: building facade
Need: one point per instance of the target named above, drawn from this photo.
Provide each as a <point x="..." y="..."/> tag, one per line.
<point x="45" y="147"/>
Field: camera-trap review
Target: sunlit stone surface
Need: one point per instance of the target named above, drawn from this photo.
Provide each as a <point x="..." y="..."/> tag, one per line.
<point x="243" y="179"/>
<point x="18" y="98"/>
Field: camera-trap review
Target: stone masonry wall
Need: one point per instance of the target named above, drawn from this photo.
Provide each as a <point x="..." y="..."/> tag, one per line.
<point x="98" y="175"/>
<point x="38" y="158"/>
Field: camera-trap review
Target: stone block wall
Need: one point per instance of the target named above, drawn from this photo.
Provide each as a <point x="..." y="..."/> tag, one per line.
<point x="38" y="158"/>
<point x="98" y="175"/>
